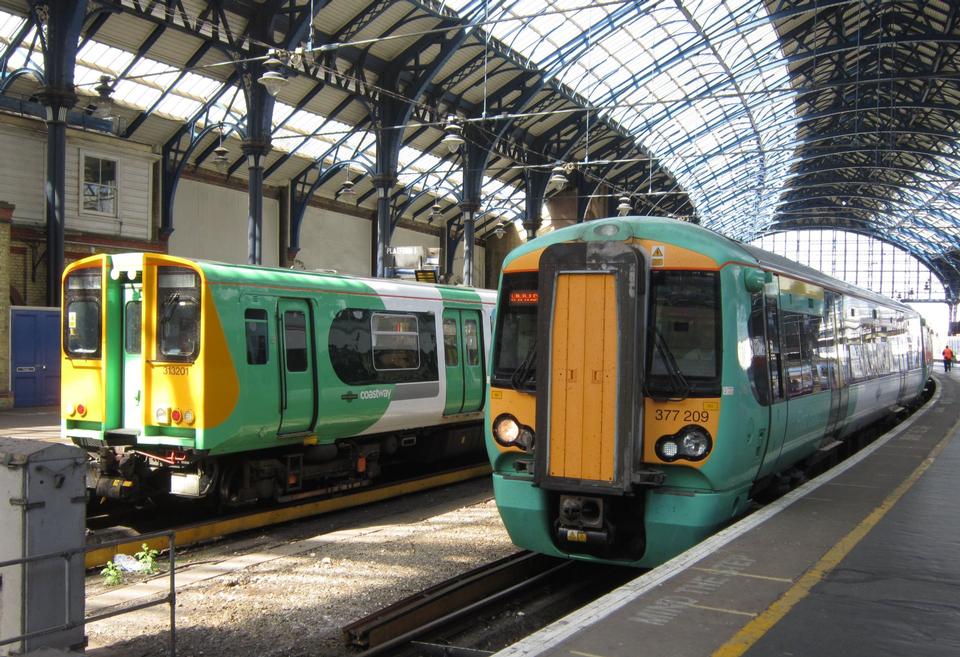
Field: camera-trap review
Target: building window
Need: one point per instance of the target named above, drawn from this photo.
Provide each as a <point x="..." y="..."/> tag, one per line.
<point x="99" y="185"/>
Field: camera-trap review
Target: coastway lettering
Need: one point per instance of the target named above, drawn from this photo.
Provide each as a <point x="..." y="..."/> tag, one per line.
<point x="375" y="394"/>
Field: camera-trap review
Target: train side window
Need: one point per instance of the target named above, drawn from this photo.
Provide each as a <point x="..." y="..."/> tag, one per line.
<point x="451" y="353"/>
<point x="471" y="341"/>
<point x="131" y="328"/>
<point x="295" y="340"/>
<point x="396" y="342"/>
<point x="257" y="331"/>
<point x="797" y="368"/>
<point x="351" y="350"/>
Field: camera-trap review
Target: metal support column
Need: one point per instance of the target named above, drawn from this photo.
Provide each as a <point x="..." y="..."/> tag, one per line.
<point x="382" y="226"/>
<point x="469" y="209"/>
<point x="255" y="152"/>
<point x="535" y="191"/>
<point x="63" y="22"/>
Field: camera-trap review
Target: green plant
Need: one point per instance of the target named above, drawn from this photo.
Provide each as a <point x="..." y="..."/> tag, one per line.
<point x="147" y="558"/>
<point x="112" y="575"/>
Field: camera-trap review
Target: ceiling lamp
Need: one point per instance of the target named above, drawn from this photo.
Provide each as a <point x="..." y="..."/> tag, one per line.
<point x="624" y="207"/>
<point x="104" y="101"/>
<point x="558" y="177"/>
<point x="346" y="189"/>
<point x="220" y="159"/>
<point x="453" y="134"/>
<point x="499" y="231"/>
<point x="435" y="213"/>
<point x="272" y="78"/>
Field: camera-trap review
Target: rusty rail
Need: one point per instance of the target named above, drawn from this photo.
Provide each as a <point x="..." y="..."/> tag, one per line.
<point x="422" y="612"/>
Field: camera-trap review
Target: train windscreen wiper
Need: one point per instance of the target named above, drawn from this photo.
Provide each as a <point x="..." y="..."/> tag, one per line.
<point x="166" y="312"/>
<point x="525" y="373"/>
<point x="679" y="388"/>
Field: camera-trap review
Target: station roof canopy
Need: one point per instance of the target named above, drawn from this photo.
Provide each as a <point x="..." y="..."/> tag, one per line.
<point x="746" y="116"/>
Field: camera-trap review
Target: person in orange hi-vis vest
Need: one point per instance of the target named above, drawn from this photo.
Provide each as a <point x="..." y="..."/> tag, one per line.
<point x="947" y="358"/>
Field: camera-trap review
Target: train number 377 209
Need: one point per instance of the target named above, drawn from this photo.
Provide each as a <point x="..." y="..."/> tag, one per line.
<point x="668" y="415"/>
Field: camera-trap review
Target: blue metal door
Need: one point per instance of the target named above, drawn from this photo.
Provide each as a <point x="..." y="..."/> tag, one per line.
<point x="35" y="356"/>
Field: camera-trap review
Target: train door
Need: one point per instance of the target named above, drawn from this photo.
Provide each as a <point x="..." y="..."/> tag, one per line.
<point x="463" y="356"/>
<point x="832" y="318"/>
<point x="777" y="425"/>
<point x="298" y="394"/>
<point x="132" y="358"/>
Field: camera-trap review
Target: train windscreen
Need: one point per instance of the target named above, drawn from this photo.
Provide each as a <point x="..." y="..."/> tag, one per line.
<point x="178" y="314"/>
<point x="515" y="349"/>
<point x="683" y="352"/>
<point x="81" y="319"/>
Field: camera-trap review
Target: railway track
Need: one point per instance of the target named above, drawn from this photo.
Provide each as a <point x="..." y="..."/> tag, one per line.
<point x="199" y="531"/>
<point x="459" y="617"/>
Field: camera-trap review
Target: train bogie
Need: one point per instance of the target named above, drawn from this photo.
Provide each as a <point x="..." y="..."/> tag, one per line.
<point x="650" y="378"/>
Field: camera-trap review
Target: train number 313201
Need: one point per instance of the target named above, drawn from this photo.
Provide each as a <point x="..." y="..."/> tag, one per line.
<point x="174" y="370"/>
<point x="667" y="415"/>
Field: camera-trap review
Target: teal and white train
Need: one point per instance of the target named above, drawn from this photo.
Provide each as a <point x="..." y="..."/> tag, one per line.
<point x="205" y="379"/>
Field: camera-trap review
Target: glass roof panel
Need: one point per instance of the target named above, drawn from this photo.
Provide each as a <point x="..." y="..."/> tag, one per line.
<point x="711" y="64"/>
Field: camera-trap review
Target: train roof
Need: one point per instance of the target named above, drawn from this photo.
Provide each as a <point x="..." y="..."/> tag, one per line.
<point x="225" y="272"/>
<point x="718" y="247"/>
<point x="222" y="272"/>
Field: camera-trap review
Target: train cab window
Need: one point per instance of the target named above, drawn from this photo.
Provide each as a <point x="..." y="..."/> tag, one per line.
<point x="295" y="340"/>
<point x="451" y="353"/>
<point x="471" y="341"/>
<point x="396" y="342"/>
<point x="81" y="319"/>
<point x="255" y="321"/>
<point x="178" y="314"/>
<point x="131" y="327"/>
<point x="515" y="346"/>
<point x="683" y="353"/>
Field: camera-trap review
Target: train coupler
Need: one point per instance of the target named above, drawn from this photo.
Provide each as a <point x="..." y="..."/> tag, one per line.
<point x="117" y="488"/>
<point x="583" y="536"/>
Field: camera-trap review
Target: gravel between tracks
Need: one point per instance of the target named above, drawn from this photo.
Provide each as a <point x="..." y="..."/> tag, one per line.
<point x="294" y="601"/>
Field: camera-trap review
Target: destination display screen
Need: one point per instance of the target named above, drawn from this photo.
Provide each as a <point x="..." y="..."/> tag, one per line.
<point x="524" y="297"/>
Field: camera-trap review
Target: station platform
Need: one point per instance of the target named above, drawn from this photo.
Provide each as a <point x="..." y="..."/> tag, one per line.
<point x="862" y="560"/>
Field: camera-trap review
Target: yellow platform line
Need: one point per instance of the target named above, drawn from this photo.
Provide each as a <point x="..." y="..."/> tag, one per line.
<point x="759" y="626"/>
<point x="219" y="528"/>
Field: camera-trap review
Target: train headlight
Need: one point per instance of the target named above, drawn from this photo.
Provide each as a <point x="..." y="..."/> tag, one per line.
<point x="163" y="415"/>
<point x="667" y="449"/>
<point x="70" y="409"/>
<point x="510" y="433"/>
<point x="188" y="416"/>
<point x="692" y="443"/>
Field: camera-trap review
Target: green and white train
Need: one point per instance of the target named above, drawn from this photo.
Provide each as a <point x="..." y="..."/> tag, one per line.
<point x="239" y="383"/>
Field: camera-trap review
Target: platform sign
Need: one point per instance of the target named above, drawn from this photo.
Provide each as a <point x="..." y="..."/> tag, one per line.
<point x="425" y="275"/>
